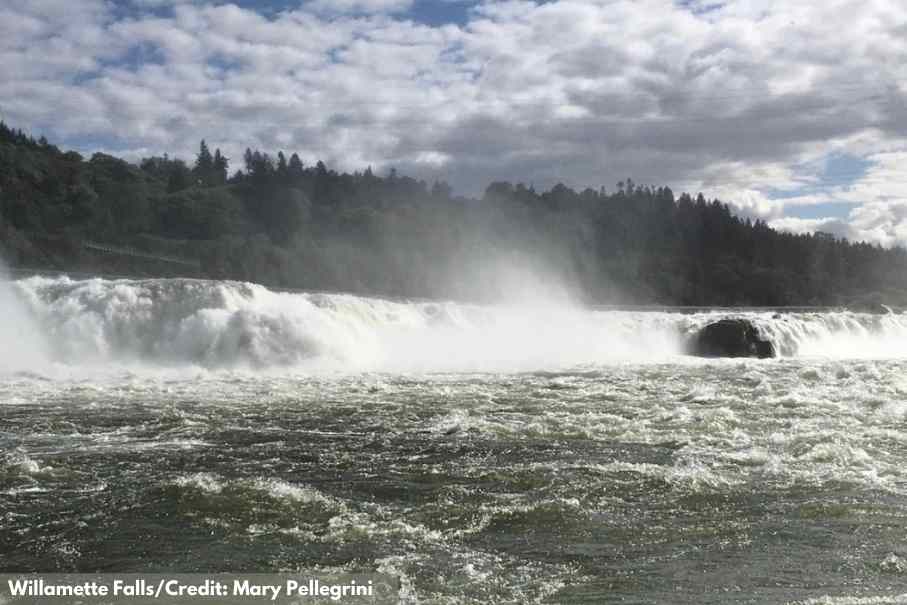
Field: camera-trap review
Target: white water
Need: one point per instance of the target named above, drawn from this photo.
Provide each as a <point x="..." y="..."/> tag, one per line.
<point x="778" y="480"/>
<point x="21" y="344"/>
<point x="229" y="324"/>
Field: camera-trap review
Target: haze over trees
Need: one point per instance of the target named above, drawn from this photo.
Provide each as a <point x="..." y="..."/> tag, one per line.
<point x="279" y="222"/>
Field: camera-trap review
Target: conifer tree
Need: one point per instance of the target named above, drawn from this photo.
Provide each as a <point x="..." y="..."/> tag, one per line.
<point x="220" y="168"/>
<point x="204" y="165"/>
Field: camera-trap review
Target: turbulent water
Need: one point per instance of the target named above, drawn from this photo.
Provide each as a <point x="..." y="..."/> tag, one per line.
<point x="482" y="454"/>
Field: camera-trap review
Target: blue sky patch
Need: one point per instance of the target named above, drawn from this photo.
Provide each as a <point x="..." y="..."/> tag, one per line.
<point x="840" y="170"/>
<point x="843" y="169"/>
<point x="823" y="210"/>
<point x="441" y="12"/>
<point x="430" y="12"/>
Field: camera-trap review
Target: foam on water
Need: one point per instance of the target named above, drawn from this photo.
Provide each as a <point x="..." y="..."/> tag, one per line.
<point x="556" y="484"/>
<point x="214" y="325"/>
<point x="492" y="441"/>
<point x="219" y="324"/>
<point x="900" y="599"/>
<point x="209" y="483"/>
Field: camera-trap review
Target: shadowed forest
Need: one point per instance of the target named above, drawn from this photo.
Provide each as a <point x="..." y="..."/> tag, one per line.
<point x="284" y="224"/>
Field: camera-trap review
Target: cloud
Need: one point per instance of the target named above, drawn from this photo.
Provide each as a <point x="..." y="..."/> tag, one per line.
<point x="880" y="216"/>
<point x="160" y="3"/>
<point x="794" y="224"/>
<point x="884" y="224"/>
<point x="744" y="101"/>
<point x="359" y="6"/>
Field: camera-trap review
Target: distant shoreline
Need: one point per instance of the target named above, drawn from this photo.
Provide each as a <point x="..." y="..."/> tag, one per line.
<point x="294" y="227"/>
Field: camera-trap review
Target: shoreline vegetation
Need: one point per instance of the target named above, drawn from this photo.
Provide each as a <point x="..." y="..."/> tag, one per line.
<point x="290" y="226"/>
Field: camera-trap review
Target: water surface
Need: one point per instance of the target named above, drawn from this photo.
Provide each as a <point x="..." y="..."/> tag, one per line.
<point x="481" y="454"/>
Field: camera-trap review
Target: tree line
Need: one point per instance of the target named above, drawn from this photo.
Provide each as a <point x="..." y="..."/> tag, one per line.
<point x="286" y="224"/>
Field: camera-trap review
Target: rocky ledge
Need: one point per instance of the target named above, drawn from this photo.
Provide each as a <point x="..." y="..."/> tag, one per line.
<point x="731" y="338"/>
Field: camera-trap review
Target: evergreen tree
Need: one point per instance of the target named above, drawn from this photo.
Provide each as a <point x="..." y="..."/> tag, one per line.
<point x="179" y="176"/>
<point x="204" y="166"/>
<point x="282" y="224"/>
<point x="249" y="161"/>
<point x="282" y="168"/>
<point x="295" y="168"/>
<point x="220" y="168"/>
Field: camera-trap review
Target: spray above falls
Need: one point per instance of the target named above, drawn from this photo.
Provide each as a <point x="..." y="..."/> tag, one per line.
<point x="23" y="346"/>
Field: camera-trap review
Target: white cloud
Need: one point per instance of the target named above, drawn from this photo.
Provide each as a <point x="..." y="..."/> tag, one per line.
<point x="879" y="223"/>
<point x="359" y="6"/>
<point x="794" y="224"/>
<point x="738" y="101"/>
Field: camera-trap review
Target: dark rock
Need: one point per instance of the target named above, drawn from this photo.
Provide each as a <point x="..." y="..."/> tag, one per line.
<point x="731" y="338"/>
<point x="765" y="349"/>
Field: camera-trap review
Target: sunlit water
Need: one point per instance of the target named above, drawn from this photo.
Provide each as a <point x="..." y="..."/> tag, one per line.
<point x="512" y="454"/>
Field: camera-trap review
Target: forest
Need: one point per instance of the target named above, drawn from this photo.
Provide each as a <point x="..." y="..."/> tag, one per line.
<point x="281" y="223"/>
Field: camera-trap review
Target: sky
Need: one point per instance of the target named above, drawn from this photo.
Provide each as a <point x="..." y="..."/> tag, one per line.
<point x="791" y="111"/>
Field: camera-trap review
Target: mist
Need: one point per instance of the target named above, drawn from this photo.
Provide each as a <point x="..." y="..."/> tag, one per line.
<point x="23" y="344"/>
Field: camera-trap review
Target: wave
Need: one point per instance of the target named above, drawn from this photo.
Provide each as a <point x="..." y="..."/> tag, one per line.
<point x="219" y="323"/>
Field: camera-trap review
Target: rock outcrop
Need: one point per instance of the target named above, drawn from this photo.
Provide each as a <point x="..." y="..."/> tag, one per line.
<point x="731" y="338"/>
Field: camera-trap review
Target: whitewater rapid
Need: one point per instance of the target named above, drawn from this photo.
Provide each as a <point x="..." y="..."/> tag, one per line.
<point x="522" y="453"/>
<point x="218" y="324"/>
